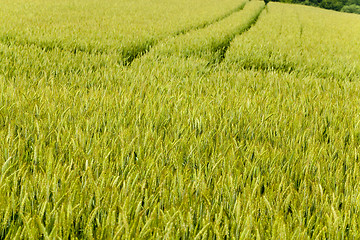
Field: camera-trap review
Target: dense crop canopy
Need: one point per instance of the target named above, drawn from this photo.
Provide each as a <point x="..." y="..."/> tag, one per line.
<point x="127" y="27"/>
<point x="261" y="143"/>
<point x="323" y="43"/>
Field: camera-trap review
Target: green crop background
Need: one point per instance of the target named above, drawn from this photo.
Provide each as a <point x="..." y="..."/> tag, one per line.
<point x="236" y="120"/>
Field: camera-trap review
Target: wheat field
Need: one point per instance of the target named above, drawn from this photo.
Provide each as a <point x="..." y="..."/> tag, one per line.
<point x="168" y="119"/>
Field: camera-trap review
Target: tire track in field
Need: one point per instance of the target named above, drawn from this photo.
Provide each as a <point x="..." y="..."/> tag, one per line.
<point x="143" y="51"/>
<point x="127" y="54"/>
<point x="212" y="42"/>
<point x="221" y="51"/>
<point x="206" y="24"/>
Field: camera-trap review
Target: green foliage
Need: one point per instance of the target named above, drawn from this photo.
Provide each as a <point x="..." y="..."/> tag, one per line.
<point x="351" y="9"/>
<point x="337" y="5"/>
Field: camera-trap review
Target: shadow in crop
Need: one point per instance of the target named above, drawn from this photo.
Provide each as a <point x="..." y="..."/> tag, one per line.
<point x="220" y="50"/>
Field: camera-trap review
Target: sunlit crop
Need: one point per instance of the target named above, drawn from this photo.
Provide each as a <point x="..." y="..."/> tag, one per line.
<point x="245" y="125"/>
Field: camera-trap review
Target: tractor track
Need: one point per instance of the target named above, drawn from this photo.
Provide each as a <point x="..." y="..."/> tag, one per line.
<point x="220" y="35"/>
<point x="223" y="49"/>
<point x="127" y="55"/>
